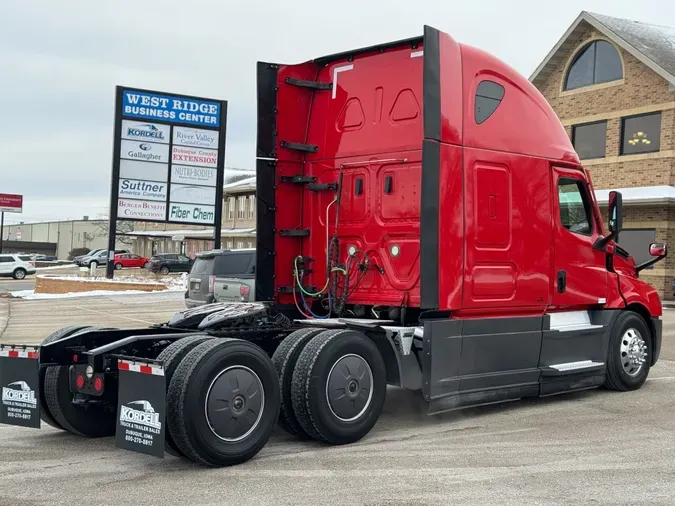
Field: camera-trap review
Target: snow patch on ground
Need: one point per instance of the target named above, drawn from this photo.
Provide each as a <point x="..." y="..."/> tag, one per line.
<point x="31" y="295"/>
<point x="56" y="267"/>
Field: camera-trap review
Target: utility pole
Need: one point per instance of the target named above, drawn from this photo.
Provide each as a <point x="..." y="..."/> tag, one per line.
<point x="2" y="226"/>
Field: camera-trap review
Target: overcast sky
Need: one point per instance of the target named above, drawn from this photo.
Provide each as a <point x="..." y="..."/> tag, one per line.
<point x="61" y="59"/>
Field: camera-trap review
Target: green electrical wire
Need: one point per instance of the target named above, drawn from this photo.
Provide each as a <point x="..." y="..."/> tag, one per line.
<point x="317" y="294"/>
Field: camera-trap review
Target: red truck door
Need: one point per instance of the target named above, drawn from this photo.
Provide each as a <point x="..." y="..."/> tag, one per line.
<point x="580" y="275"/>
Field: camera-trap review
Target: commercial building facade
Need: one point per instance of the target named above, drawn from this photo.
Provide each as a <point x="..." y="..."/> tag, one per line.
<point x="612" y="84"/>
<point x="238" y="227"/>
<point x="56" y="237"/>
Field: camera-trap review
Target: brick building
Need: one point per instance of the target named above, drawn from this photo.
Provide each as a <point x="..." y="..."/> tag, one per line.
<point x="612" y="84"/>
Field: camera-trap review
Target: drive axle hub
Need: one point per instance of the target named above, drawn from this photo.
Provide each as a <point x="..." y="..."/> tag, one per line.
<point x="633" y="352"/>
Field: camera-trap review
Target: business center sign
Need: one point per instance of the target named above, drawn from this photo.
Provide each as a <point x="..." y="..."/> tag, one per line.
<point x="169" y="157"/>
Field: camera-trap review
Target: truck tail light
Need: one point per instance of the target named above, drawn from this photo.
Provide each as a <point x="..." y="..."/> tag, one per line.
<point x="244" y="290"/>
<point x="98" y="384"/>
<point x="212" y="283"/>
<point x="79" y="382"/>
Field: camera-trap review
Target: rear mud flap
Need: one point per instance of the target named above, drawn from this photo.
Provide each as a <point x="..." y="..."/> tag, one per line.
<point x="141" y="408"/>
<point x="20" y="382"/>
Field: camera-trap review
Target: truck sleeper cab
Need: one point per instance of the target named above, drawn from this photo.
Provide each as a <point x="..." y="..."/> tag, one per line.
<point x="423" y="221"/>
<point x="446" y="182"/>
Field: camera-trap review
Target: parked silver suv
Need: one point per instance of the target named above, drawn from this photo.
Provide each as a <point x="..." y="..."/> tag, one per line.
<point x="17" y="266"/>
<point x="99" y="258"/>
<point x="221" y="276"/>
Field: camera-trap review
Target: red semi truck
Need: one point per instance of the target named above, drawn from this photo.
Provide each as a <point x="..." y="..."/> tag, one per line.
<point x="423" y="221"/>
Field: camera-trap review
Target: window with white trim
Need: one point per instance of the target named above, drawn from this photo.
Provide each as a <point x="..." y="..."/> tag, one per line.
<point x="241" y="206"/>
<point x="251" y="206"/>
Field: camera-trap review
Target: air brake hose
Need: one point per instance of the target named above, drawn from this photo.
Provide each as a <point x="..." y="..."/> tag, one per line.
<point x="302" y="288"/>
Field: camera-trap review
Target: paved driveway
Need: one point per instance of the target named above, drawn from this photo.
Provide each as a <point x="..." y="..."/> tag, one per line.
<point x="15" y="285"/>
<point x="31" y="320"/>
<point x="595" y="447"/>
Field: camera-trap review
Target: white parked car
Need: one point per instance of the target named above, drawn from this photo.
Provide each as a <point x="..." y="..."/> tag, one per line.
<point x="17" y="266"/>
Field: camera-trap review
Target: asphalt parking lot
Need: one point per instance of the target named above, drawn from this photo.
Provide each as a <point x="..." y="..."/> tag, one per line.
<point x="14" y="285"/>
<point x="596" y="447"/>
<point x="23" y="325"/>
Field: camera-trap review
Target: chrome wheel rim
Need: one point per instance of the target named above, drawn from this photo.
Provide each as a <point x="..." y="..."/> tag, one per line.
<point x="633" y="352"/>
<point x="235" y="403"/>
<point x="349" y="387"/>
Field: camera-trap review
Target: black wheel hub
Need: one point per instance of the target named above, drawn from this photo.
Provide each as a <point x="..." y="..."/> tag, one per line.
<point x="234" y="403"/>
<point x="238" y="404"/>
<point x="349" y="388"/>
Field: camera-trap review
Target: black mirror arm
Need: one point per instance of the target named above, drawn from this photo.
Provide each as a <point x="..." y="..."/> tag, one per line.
<point x="649" y="263"/>
<point x="602" y="242"/>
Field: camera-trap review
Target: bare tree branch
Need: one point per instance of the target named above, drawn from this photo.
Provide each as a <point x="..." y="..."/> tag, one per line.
<point x="123" y="227"/>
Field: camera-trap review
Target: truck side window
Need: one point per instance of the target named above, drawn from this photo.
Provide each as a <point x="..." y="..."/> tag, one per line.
<point x="574" y="208"/>
<point x="488" y="97"/>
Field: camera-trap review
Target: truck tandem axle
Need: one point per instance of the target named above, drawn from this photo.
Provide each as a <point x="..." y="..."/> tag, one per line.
<point x="211" y="384"/>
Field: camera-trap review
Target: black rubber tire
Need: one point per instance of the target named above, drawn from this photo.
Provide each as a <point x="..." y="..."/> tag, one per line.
<point x="19" y="273"/>
<point x="186" y="416"/>
<point x="45" y="414"/>
<point x="284" y="359"/>
<point x="172" y="355"/>
<point x="118" y="266"/>
<point x="164" y="270"/>
<point x="96" y="420"/>
<point x="310" y="402"/>
<point x="616" y="378"/>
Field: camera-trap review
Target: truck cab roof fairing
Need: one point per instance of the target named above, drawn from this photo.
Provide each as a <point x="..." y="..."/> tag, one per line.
<point x="523" y="123"/>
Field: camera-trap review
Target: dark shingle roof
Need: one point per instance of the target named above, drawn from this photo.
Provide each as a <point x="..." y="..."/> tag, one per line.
<point x="655" y="42"/>
<point x="653" y="45"/>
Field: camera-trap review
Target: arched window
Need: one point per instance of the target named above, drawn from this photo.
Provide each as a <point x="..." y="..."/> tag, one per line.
<point x="598" y="62"/>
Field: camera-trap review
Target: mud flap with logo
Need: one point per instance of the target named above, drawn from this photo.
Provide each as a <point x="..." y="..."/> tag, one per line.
<point x="141" y="408"/>
<point x="20" y="382"/>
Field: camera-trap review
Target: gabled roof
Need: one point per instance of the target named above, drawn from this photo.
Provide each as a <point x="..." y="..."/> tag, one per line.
<point x="653" y="45"/>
